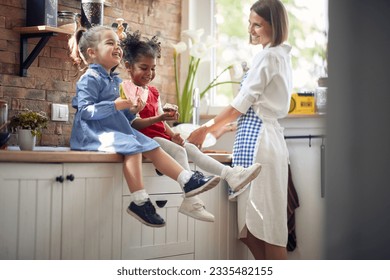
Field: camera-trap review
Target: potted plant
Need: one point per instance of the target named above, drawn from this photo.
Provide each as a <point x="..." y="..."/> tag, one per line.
<point x="197" y="51"/>
<point x="28" y="125"/>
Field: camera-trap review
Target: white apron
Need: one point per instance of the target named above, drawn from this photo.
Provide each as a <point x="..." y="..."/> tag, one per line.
<point x="262" y="208"/>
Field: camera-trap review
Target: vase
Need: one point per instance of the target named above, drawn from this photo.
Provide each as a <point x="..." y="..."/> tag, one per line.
<point x="26" y="140"/>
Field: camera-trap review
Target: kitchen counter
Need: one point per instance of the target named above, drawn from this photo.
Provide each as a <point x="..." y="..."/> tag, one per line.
<point x="64" y="154"/>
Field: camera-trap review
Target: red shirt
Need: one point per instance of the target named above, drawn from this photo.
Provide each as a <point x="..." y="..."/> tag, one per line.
<point x="151" y="110"/>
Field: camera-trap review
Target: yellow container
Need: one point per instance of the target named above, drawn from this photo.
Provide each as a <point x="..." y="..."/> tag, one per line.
<point x="302" y="103"/>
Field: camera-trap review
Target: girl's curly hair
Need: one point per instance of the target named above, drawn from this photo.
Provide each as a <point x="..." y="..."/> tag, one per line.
<point x="134" y="47"/>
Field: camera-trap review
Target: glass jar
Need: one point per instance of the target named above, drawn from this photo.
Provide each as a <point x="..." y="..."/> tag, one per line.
<point x="321" y="95"/>
<point x="3" y="115"/>
<point x="67" y="21"/>
<point x="92" y="13"/>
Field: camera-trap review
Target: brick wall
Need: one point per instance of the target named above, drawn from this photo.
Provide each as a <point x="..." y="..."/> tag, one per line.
<point x="50" y="78"/>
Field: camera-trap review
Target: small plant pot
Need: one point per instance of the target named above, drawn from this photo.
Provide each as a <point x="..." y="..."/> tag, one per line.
<point x="26" y="140"/>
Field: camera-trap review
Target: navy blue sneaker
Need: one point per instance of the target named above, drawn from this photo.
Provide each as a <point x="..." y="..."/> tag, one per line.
<point x="199" y="183"/>
<point x="146" y="214"/>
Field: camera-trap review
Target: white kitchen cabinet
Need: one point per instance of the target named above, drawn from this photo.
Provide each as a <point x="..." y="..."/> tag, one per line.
<point x="42" y="218"/>
<point x="91" y="211"/>
<point x="30" y="211"/>
<point x="305" y="163"/>
<point x="218" y="240"/>
<point x="175" y="240"/>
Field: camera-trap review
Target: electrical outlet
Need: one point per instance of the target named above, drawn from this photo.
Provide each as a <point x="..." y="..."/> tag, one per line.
<point x="59" y="112"/>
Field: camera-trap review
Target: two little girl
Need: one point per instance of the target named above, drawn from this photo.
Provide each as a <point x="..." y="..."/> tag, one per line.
<point x="103" y="120"/>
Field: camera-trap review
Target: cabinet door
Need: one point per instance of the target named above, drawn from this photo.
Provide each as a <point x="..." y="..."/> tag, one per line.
<point x="174" y="240"/>
<point x="92" y="203"/>
<point x="211" y="239"/>
<point x="30" y="211"/>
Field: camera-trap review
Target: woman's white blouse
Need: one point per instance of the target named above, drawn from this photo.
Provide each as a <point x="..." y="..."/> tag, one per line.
<point x="268" y="86"/>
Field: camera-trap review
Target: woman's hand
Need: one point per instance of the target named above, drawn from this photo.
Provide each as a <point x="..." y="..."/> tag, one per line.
<point x="198" y="136"/>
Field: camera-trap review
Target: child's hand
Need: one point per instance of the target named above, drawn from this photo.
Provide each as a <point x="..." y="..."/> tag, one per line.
<point x="168" y="116"/>
<point x="138" y="107"/>
<point x="121" y="104"/>
<point x="176" y="138"/>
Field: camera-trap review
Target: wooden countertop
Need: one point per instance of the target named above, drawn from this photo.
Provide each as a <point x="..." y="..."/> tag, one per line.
<point x="58" y="157"/>
<point x="12" y="155"/>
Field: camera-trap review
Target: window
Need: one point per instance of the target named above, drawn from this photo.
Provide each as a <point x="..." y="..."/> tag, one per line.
<point x="307" y="34"/>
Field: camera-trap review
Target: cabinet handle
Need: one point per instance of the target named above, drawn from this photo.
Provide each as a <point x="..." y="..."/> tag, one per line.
<point x="70" y="177"/>
<point x="159" y="173"/>
<point x="60" y="179"/>
<point x="161" y="203"/>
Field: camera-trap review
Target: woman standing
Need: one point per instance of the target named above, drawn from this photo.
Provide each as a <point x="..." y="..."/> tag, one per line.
<point x="263" y="99"/>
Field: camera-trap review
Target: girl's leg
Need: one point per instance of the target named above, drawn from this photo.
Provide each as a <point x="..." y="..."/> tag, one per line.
<point x="190" y="206"/>
<point x="204" y="161"/>
<point x="140" y="208"/>
<point x="174" y="150"/>
<point x="164" y="163"/>
<point x="132" y="170"/>
<point x="237" y="177"/>
<point x="192" y="183"/>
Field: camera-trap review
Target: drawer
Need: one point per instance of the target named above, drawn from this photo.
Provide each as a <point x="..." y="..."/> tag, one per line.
<point x="143" y="242"/>
<point x="155" y="184"/>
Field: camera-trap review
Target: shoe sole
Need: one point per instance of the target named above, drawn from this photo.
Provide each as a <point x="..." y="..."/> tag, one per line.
<point x="250" y="178"/>
<point x="208" y="186"/>
<point x="131" y="213"/>
<point x="195" y="217"/>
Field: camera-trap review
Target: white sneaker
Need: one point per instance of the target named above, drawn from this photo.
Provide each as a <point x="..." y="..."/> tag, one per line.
<point x="233" y="195"/>
<point x="238" y="176"/>
<point x="194" y="207"/>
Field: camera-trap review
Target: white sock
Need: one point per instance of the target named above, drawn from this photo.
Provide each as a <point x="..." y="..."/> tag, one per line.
<point x="184" y="177"/>
<point x="225" y="172"/>
<point x="140" y="197"/>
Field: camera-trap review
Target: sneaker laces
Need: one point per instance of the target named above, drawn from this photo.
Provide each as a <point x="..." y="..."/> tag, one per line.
<point x="198" y="206"/>
<point x="198" y="175"/>
<point x="149" y="208"/>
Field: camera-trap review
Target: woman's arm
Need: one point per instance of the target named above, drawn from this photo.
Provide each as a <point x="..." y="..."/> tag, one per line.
<point x="229" y="114"/>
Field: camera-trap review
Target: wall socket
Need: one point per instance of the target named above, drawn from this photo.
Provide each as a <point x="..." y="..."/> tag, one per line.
<point x="59" y="112"/>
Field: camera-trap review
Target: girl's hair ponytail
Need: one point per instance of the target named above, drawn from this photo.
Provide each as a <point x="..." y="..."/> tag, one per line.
<point x="81" y="41"/>
<point x="73" y="44"/>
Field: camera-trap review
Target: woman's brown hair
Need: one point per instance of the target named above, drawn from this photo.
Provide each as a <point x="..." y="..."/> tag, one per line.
<point x="274" y="12"/>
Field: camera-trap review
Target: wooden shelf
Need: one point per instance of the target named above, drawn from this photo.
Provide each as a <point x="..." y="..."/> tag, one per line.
<point x="45" y="33"/>
<point x="41" y="29"/>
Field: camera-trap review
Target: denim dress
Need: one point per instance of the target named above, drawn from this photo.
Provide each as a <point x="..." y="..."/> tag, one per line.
<point x="97" y="125"/>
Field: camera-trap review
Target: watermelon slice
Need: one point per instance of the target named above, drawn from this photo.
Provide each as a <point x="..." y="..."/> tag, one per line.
<point x="132" y="91"/>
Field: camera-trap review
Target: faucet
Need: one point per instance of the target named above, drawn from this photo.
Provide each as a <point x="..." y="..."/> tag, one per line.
<point x="195" y="106"/>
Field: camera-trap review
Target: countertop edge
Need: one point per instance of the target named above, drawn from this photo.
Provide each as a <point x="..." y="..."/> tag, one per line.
<point x="78" y="157"/>
<point x="59" y="157"/>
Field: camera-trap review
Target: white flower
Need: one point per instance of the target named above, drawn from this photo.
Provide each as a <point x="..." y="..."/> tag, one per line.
<point x="194" y="35"/>
<point x="179" y="47"/>
<point x="199" y="50"/>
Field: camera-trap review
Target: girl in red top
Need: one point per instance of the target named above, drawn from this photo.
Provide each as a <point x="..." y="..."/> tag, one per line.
<point x="140" y="57"/>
